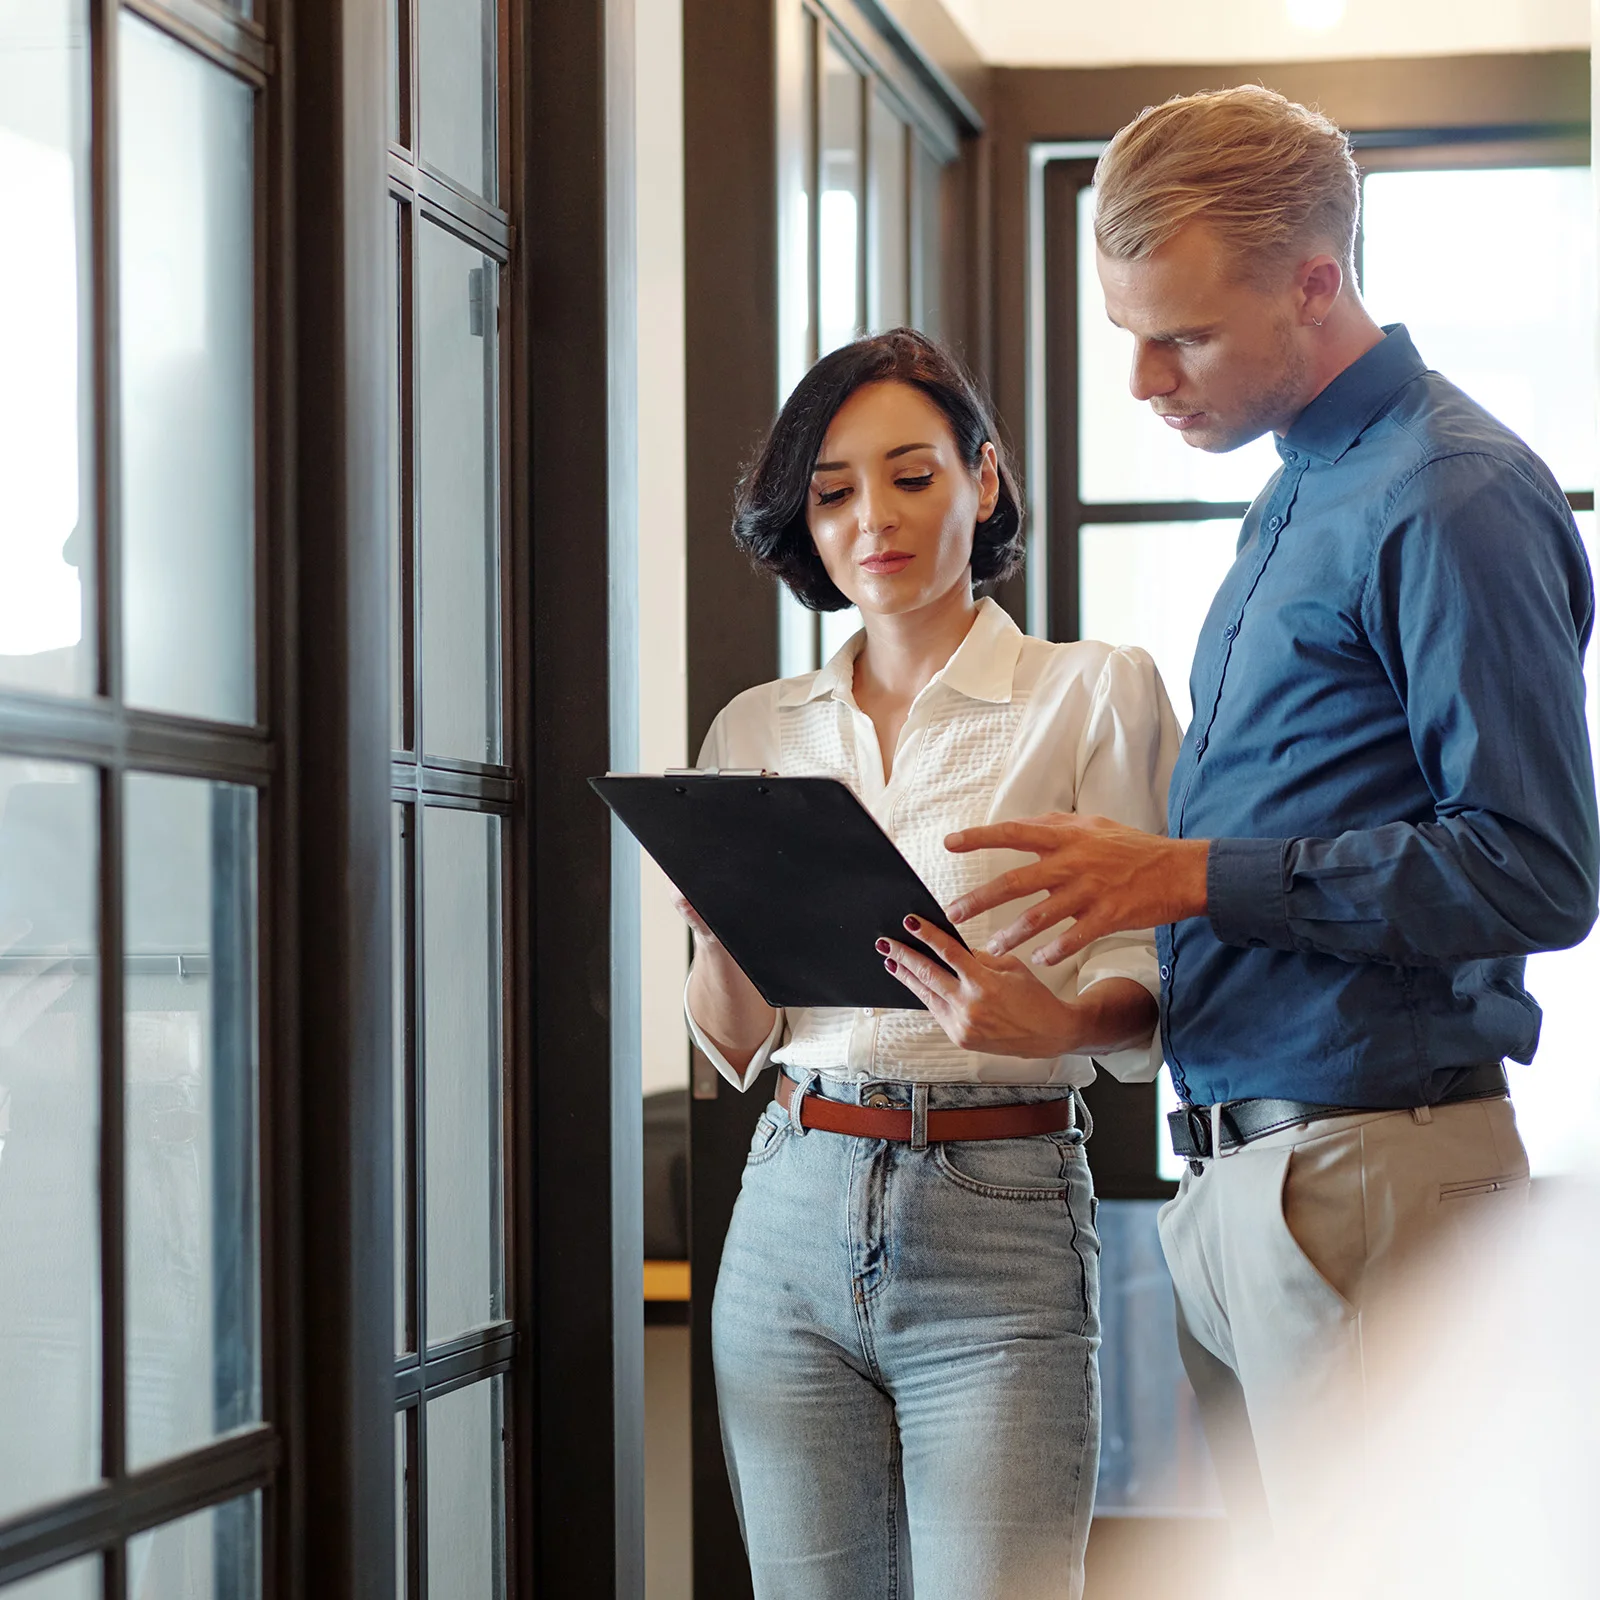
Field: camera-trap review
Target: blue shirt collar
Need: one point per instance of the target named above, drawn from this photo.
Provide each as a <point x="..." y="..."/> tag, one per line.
<point x="1342" y="412"/>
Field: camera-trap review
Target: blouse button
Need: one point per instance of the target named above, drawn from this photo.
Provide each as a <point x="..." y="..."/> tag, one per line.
<point x="1274" y="523"/>
<point x="866" y="1011"/>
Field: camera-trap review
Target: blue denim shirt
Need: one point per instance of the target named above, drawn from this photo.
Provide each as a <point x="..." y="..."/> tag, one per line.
<point x="1389" y="753"/>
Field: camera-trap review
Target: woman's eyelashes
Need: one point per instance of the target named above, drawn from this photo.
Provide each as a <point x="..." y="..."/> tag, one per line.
<point x="832" y="497"/>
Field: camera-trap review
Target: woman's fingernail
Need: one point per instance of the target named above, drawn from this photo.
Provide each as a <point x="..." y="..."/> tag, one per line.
<point x="913" y="924"/>
<point x="883" y="947"/>
<point x="891" y="966"/>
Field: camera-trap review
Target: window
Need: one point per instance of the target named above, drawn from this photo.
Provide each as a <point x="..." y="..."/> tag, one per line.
<point x="873" y="155"/>
<point x="138" y="1390"/>
<point x="452" y="789"/>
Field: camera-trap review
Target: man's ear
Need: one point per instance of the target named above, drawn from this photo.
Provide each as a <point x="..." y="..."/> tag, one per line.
<point x="1321" y="280"/>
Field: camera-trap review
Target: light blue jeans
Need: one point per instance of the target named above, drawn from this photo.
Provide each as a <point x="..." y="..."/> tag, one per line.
<point x="905" y="1346"/>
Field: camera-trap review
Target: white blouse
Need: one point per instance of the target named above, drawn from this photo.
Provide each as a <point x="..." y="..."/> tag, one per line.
<point x="1011" y="727"/>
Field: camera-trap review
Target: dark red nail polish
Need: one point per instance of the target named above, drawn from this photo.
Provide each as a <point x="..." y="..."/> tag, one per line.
<point x="883" y="947"/>
<point x="891" y="966"/>
<point x="913" y="924"/>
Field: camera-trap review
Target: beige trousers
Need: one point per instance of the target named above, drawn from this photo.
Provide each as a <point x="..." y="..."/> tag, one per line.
<point x="1298" y="1262"/>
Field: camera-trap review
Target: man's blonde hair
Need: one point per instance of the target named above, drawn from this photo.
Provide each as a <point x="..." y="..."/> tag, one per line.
<point x="1270" y="177"/>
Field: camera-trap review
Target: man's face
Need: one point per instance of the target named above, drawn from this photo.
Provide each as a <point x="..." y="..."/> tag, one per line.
<point x="1218" y="358"/>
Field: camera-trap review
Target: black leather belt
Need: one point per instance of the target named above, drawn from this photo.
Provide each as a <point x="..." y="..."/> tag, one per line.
<point x="1242" y="1121"/>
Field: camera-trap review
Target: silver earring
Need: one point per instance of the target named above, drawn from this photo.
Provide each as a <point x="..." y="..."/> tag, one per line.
<point x="1316" y="322"/>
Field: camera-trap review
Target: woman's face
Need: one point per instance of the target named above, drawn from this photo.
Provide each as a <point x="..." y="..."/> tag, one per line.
<point x="892" y="506"/>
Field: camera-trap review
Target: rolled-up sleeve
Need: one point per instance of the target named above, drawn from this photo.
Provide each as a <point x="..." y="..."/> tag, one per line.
<point x="703" y="1041"/>
<point x="1125" y="760"/>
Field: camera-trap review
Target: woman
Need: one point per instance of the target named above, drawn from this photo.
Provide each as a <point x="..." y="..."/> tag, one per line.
<point x="906" y="1318"/>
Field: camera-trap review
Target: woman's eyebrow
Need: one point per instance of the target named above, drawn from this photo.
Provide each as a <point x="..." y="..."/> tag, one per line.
<point x="888" y="455"/>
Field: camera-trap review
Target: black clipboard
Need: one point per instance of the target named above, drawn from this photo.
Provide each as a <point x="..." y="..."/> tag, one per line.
<point x="793" y="875"/>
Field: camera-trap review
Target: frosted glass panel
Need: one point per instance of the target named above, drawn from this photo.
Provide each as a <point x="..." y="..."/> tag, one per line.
<point x="186" y="200"/>
<point x="456" y="67"/>
<point x="78" y="1580"/>
<point x="461" y="1009"/>
<point x="886" y="270"/>
<point x="466" y="1541"/>
<point x="1558" y="1096"/>
<point x="1153" y="1456"/>
<point x="213" y="1555"/>
<point x="1127" y="452"/>
<point x="1151" y="584"/>
<point x="456" y="401"/>
<point x="46" y="447"/>
<point x="1508" y="331"/>
<point x="839" y="216"/>
<point x="49" y="1134"/>
<point x="190" y="1042"/>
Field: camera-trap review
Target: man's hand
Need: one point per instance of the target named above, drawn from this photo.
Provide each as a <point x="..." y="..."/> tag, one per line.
<point x="1107" y="877"/>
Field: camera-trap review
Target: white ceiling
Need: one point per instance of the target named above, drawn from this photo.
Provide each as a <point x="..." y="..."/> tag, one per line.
<point x="1095" y="33"/>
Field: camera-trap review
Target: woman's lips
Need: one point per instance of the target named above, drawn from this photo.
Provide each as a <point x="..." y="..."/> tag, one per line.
<point x="887" y="561"/>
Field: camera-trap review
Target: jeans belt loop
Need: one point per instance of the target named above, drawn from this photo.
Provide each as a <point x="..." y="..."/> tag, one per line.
<point x="802" y="1087"/>
<point x="919" y="1116"/>
<point x="1082" y="1116"/>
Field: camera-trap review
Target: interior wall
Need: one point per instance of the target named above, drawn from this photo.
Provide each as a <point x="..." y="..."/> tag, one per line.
<point x="663" y="648"/>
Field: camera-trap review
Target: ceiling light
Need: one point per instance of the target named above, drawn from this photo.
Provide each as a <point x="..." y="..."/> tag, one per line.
<point x="1317" y="15"/>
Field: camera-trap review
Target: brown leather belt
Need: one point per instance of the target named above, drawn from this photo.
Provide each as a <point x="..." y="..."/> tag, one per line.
<point x="886" y="1122"/>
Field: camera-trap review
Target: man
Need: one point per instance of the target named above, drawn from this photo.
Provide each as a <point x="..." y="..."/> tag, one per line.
<point x="1384" y="803"/>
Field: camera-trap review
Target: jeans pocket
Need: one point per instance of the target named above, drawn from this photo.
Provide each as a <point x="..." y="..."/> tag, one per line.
<point x="772" y="1127"/>
<point x="1010" y="1169"/>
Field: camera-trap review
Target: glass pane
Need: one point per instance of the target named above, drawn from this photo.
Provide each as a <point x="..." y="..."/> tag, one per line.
<point x="46" y="350"/>
<point x="1127" y="452"/>
<point x="1153" y="1456"/>
<point x="461" y="1009"/>
<point x="928" y="243"/>
<point x="456" y="402"/>
<point x="839" y="214"/>
<point x="78" y="1580"/>
<point x="837" y="628"/>
<point x="213" y="1555"/>
<point x="887" y="273"/>
<point x="186" y="199"/>
<point x="49" y="1133"/>
<point x="399" y="510"/>
<point x="1558" y="1096"/>
<point x="1151" y="584"/>
<point x="466" y="1510"/>
<point x="193" y="1275"/>
<point x="1506" y="331"/>
<point x="456" y="61"/>
<point x="400" y="965"/>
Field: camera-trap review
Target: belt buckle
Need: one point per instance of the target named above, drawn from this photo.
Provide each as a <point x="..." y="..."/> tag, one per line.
<point x="1198" y="1124"/>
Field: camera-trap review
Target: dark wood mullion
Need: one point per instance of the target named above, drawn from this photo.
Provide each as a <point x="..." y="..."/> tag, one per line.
<point x="412" y="1589"/>
<point x="456" y="1365"/>
<point x="107" y="444"/>
<point x="101" y="1518"/>
<point x="1162" y="510"/>
<point x="1062" y="182"/>
<point x="411" y="1151"/>
<point x="407" y="555"/>
<point x="102" y="731"/>
<point x="234" y="42"/>
<point x="473" y="217"/>
<point x="113" y="1136"/>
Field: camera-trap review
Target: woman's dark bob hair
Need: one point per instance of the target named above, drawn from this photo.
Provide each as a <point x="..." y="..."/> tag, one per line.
<point x="769" y="519"/>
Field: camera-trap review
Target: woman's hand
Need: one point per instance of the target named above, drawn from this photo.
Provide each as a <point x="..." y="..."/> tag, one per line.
<point x="722" y="1000"/>
<point x="999" y="1004"/>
